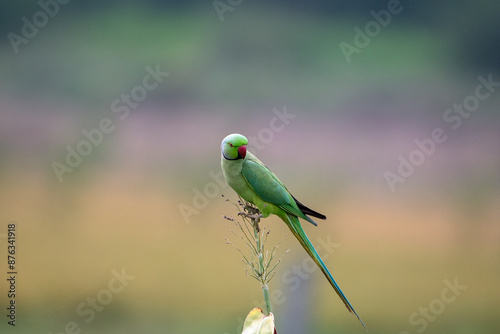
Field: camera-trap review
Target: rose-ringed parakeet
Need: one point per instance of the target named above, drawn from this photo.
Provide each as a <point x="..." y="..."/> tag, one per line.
<point x="256" y="184"/>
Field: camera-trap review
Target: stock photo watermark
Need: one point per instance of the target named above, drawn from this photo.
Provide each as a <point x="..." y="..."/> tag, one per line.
<point x="372" y="29"/>
<point x="421" y="318"/>
<point x="122" y="107"/>
<point x="221" y="7"/>
<point x="32" y="26"/>
<point x="257" y="143"/>
<point x="453" y="117"/>
<point x="11" y="273"/>
<point x="88" y="309"/>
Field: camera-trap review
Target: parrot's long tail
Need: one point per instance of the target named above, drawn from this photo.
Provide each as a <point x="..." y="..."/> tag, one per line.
<point x="294" y="225"/>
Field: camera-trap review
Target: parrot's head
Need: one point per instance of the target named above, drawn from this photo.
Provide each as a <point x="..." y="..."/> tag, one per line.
<point x="234" y="147"/>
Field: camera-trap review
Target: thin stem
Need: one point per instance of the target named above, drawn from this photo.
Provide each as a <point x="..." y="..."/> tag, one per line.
<point x="260" y="263"/>
<point x="259" y="236"/>
<point x="267" y="298"/>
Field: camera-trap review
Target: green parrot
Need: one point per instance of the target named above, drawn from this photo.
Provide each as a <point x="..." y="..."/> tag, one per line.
<point x="256" y="184"/>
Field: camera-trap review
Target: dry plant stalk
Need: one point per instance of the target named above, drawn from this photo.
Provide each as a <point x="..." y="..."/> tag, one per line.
<point x="261" y="264"/>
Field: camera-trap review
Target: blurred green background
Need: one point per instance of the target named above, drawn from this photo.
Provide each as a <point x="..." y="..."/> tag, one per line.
<point x="143" y="199"/>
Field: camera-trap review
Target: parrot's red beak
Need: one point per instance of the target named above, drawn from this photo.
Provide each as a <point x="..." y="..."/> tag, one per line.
<point x="242" y="151"/>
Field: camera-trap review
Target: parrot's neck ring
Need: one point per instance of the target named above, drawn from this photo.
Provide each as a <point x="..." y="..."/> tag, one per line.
<point x="237" y="158"/>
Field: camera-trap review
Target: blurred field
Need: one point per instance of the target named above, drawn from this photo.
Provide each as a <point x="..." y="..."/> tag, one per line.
<point x="396" y="249"/>
<point x="119" y="209"/>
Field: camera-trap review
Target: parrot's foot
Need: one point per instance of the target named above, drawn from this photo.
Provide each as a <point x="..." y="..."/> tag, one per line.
<point x="251" y="212"/>
<point x="252" y="216"/>
<point x="250" y="209"/>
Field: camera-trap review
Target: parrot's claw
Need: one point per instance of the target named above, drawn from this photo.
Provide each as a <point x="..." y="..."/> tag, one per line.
<point x="251" y="216"/>
<point x="252" y="213"/>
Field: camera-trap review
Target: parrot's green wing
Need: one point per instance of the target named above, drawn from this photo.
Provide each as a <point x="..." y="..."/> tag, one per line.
<point x="269" y="188"/>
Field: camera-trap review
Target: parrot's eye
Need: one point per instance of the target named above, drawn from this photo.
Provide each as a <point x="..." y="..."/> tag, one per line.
<point x="230" y="145"/>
